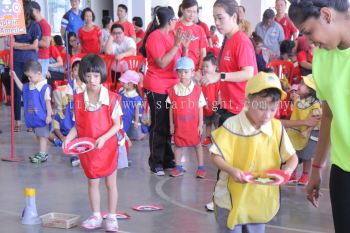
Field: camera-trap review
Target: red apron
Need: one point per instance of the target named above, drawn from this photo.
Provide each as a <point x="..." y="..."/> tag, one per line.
<point x="211" y="94"/>
<point x="186" y="117"/>
<point x="98" y="162"/>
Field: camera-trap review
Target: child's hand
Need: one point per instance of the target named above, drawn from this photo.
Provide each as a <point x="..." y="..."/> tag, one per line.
<point x="237" y="175"/>
<point x="288" y="171"/>
<point x="136" y="124"/>
<point x="172" y="129"/>
<point x="100" y="142"/>
<point x="312" y="121"/>
<point x="48" y="120"/>
<point x="65" y="143"/>
<point x="200" y="129"/>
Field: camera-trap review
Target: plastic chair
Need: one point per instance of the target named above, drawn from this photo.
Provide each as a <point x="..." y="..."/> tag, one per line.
<point x="5" y="57"/>
<point x="109" y="60"/>
<point x="281" y="67"/>
<point x="131" y="63"/>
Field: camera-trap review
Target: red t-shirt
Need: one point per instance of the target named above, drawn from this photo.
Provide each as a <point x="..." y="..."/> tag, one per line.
<point x="158" y="79"/>
<point x="44" y="53"/>
<point x="198" y="41"/>
<point x="238" y="52"/>
<point x="54" y="53"/>
<point x="129" y="29"/>
<point x="90" y="41"/>
<point x="302" y="57"/>
<point x="140" y="34"/>
<point x="215" y="40"/>
<point x="288" y="27"/>
<point x="205" y="28"/>
<point x="211" y="94"/>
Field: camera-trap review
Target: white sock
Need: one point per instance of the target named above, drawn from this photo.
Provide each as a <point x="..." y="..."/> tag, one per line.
<point x="112" y="216"/>
<point x="97" y="214"/>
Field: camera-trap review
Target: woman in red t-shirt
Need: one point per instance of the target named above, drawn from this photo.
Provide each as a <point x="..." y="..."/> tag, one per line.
<point x="140" y="34"/>
<point x="162" y="47"/>
<point x="90" y="35"/>
<point x="197" y="49"/>
<point x="305" y="59"/>
<point x="237" y="62"/>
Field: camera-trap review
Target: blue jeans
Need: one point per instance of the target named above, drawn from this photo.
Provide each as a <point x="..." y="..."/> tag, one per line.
<point x="19" y="70"/>
<point x="44" y="66"/>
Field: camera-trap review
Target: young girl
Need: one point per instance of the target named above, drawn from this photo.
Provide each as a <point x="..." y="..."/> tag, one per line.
<point x="37" y="106"/>
<point x="132" y="106"/>
<point x="211" y="94"/>
<point x="186" y="116"/>
<point x="97" y="115"/>
<point x="303" y="135"/>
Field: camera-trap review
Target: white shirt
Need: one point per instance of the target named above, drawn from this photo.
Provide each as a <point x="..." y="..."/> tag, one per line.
<point x="39" y="85"/>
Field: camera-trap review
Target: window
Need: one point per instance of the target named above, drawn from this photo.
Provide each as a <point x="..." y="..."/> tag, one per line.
<point x="56" y="10"/>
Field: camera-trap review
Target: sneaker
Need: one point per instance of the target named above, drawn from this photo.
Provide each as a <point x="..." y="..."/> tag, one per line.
<point x="201" y="173"/>
<point x="210" y="206"/>
<point x="39" y="158"/>
<point x="293" y="178"/>
<point x="92" y="222"/>
<point x="111" y="225"/>
<point x="206" y="141"/>
<point x="159" y="171"/>
<point x="75" y="161"/>
<point x="175" y="172"/>
<point x="304" y="179"/>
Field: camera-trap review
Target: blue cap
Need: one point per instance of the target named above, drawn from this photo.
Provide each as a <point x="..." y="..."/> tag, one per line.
<point x="184" y="63"/>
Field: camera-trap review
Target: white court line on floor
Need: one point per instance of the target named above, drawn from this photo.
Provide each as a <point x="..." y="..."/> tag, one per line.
<point x="162" y="194"/>
<point x="293" y="229"/>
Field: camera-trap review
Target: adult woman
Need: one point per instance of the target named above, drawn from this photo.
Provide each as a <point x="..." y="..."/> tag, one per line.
<point x="73" y="46"/>
<point x="25" y="49"/>
<point x="161" y="47"/>
<point x="237" y="62"/>
<point x="107" y="23"/>
<point x="326" y="24"/>
<point x="198" y="45"/>
<point x="90" y="35"/>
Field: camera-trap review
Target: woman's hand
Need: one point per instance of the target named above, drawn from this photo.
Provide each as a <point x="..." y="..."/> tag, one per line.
<point x="186" y="39"/>
<point x="205" y="80"/>
<point x="178" y="36"/>
<point x="313" y="187"/>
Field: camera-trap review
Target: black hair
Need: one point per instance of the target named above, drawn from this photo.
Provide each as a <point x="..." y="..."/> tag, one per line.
<point x="179" y="11"/>
<point x="242" y="8"/>
<point x="301" y="10"/>
<point x="35" y="5"/>
<point x="256" y="39"/>
<point x="188" y="3"/>
<point x="287" y="46"/>
<point x="211" y="58"/>
<point x="273" y="93"/>
<point x="32" y="66"/>
<point x="268" y="14"/>
<point x="138" y="21"/>
<point x="87" y="9"/>
<point x="230" y="6"/>
<point x="92" y="63"/>
<point x="117" y="25"/>
<point x="285" y="1"/>
<point x="70" y="48"/>
<point x="163" y="16"/>
<point x="28" y="12"/>
<point x="212" y="27"/>
<point x="123" y="7"/>
<point x="76" y="63"/>
<point x="58" y="39"/>
<point x="106" y="20"/>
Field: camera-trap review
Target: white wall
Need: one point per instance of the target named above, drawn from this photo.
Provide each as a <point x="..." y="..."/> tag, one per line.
<point x="128" y="3"/>
<point x="97" y="6"/>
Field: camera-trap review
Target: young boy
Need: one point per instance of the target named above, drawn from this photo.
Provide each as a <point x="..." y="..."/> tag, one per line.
<point x="211" y="94"/>
<point x="37" y="106"/>
<point x="251" y="141"/>
<point x="186" y="116"/>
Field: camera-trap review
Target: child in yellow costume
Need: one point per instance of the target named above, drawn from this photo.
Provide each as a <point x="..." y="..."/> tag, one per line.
<point x="251" y="141"/>
<point x="302" y="126"/>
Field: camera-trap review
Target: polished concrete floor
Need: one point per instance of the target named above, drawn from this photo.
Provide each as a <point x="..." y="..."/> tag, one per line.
<point x="62" y="188"/>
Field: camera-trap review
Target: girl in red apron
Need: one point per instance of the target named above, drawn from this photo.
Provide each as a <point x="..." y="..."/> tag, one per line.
<point x="186" y="116"/>
<point x="97" y="115"/>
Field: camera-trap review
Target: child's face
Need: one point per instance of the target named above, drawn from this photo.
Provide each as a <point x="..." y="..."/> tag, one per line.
<point x="128" y="86"/>
<point x="258" y="48"/>
<point x="303" y="90"/>
<point x="208" y="67"/>
<point x="34" y="77"/>
<point x="75" y="71"/>
<point x="260" y="110"/>
<point x="93" y="80"/>
<point x="185" y="74"/>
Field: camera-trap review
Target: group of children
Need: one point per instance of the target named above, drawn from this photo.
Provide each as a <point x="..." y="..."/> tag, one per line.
<point x="88" y="109"/>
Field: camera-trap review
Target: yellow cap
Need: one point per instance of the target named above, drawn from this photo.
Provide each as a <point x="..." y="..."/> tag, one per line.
<point x="309" y="81"/>
<point x="263" y="81"/>
<point x="29" y="192"/>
